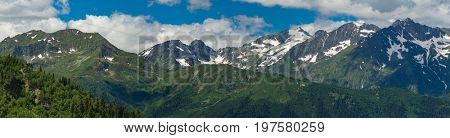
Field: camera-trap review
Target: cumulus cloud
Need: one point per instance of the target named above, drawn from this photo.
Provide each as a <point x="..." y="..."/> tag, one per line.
<point x="164" y="2"/>
<point x="192" y="4"/>
<point x="321" y="24"/>
<point x="27" y="9"/>
<point x="199" y="4"/>
<point x="125" y="31"/>
<point x="12" y="28"/>
<point x="64" y="6"/>
<point x="380" y="12"/>
<point x="19" y="16"/>
<point x="253" y="24"/>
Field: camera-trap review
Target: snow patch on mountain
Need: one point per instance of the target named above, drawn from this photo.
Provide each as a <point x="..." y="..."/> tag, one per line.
<point x="314" y="59"/>
<point x="207" y="62"/>
<point x="72" y="50"/>
<point x="276" y="53"/>
<point x="273" y="54"/>
<point x="271" y="42"/>
<point x="146" y="52"/>
<point x="367" y="31"/>
<point x="306" y="58"/>
<point x="180" y="49"/>
<point x="309" y="58"/>
<point x="401" y="39"/>
<point x="270" y="50"/>
<point x="221" y="60"/>
<point x="337" y="49"/>
<point x="447" y="37"/>
<point x="110" y="59"/>
<point x="359" y="23"/>
<point x="298" y="35"/>
<point x="441" y="45"/>
<point x="183" y="62"/>
<point x="395" y="48"/>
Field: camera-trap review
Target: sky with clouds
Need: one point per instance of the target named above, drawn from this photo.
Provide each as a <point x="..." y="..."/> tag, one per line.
<point x="123" y="22"/>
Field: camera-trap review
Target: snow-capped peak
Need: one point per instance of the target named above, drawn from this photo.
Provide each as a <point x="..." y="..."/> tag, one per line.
<point x="298" y="34"/>
<point x="359" y="23"/>
<point x="272" y="50"/>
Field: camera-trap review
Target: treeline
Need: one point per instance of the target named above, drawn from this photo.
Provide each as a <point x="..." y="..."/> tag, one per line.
<point x="26" y="93"/>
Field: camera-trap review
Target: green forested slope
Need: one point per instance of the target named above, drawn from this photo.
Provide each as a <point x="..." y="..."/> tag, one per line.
<point x="225" y="91"/>
<point x="28" y="93"/>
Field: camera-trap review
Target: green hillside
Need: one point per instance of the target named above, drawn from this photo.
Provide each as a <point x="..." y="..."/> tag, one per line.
<point x="87" y="58"/>
<point x="225" y="91"/>
<point x="26" y="93"/>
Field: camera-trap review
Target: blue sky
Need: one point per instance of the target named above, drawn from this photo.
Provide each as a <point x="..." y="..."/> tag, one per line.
<point x="278" y="17"/>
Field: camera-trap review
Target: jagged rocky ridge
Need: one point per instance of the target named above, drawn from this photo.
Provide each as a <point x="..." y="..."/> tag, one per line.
<point x="406" y="55"/>
<point x="409" y="55"/>
<point x="262" y="52"/>
<point x="356" y="55"/>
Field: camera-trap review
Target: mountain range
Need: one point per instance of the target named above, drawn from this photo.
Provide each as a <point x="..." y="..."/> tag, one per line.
<point x="406" y="55"/>
<point x="356" y="55"/>
<point x="291" y="73"/>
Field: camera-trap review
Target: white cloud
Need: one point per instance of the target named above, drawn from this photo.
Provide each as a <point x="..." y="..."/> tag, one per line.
<point x="321" y="24"/>
<point x="199" y="4"/>
<point x="19" y="16"/>
<point x="164" y="2"/>
<point x="27" y="9"/>
<point x="253" y="24"/>
<point x="13" y="28"/>
<point x="64" y="6"/>
<point x="192" y="4"/>
<point x="380" y="12"/>
<point x="124" y="31"/>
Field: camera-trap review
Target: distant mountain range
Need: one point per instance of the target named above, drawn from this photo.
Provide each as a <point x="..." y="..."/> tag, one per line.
<point x="356" y="55"/>
<point x="355" y="62"/>
<point x="406" y="55"/>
